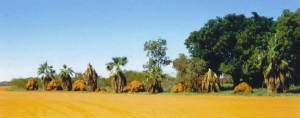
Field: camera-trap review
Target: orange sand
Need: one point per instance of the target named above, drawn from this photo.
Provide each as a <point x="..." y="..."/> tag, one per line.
<point x="90" y="105"/>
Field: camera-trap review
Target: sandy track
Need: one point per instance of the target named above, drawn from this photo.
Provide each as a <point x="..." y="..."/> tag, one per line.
<point x="90" y="105"/>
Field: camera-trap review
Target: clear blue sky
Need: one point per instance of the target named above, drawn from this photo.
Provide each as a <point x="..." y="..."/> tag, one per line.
<point x="75" y="32"/>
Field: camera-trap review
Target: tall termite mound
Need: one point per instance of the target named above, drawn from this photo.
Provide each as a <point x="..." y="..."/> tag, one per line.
<point x="210" y="82"/>
<point x="90" y="78"/>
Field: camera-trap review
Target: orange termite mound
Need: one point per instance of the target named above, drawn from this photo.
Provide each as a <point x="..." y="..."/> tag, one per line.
<point x="178" y="88"/>
<point x="134" y="86"/>
<point x="243" y="88"/>
<point x="79" y="85"/>
<point x="53" y="86"/>
<point x="32" y="85"/>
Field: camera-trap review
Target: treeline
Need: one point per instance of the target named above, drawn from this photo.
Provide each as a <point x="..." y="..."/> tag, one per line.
<point x="257" y="50"/>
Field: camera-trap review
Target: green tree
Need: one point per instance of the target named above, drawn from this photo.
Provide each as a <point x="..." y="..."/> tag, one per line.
<point x="133" y="75"/>
<point x="118" y="78"/>
<point x="47" y="72"/>
<point x="65" y="76"/>
<point x="278" y="60"/>
<point x="156" y="52"/>
<point x="288" y="36"/>
<point x="227" y="43"/>
<point x="181" y="64"/>
<point x="189" y="68"/>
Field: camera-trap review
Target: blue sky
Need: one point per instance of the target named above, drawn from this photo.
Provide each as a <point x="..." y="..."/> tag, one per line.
<point x="75" y="32"/>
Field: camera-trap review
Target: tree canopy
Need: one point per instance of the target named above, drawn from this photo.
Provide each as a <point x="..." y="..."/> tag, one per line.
<point x="156" y="51"/>
<point x="234" y="44"/>
<point x="189" y="68"/>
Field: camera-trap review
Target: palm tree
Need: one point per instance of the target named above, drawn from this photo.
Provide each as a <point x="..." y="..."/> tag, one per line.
<point x="118" y="78"/>
<point x="47" y="72"/>
<point x="277" y="72"/>
<point x="90" y="78"/>
<point x="65" y="75"/>
<point x="156" y="76"/>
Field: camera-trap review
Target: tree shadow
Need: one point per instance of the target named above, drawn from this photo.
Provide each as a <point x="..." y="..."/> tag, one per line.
<point x="227" y="88"/>
<point x="295" y="89"/>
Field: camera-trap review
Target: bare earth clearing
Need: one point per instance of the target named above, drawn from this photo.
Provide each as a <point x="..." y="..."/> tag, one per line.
<point x="16" y="104"/>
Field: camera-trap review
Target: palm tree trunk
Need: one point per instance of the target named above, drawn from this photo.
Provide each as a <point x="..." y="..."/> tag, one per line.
<point x="273" y="84"/>
<point x="46" y="81"/>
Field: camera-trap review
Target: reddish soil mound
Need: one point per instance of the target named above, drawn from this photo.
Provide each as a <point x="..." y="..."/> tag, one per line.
<point x="243" y="88"/>
<point x="178" y="87"/>
<point x="79" y="85"/>
<point x="53" y="86"/>
<point x="134" y="86"/>
<point x="32" y="85"/>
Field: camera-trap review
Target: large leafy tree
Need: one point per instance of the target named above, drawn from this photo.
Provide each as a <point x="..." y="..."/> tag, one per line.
<point x="47" y="72"/>
<point x="65" y="76"/>
<point x="118" y="78"/>
<point x="156" y="52"/>
<point x="227" y="43"/>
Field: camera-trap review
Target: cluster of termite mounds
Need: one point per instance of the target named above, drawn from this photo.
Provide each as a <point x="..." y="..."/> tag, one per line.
<point x="87" y="83"/>
<point x="209" y="82"/>
<point x="206" y="83"/>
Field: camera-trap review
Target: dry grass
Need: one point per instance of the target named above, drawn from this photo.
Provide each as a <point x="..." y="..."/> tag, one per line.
<point x="92" y="104"/>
